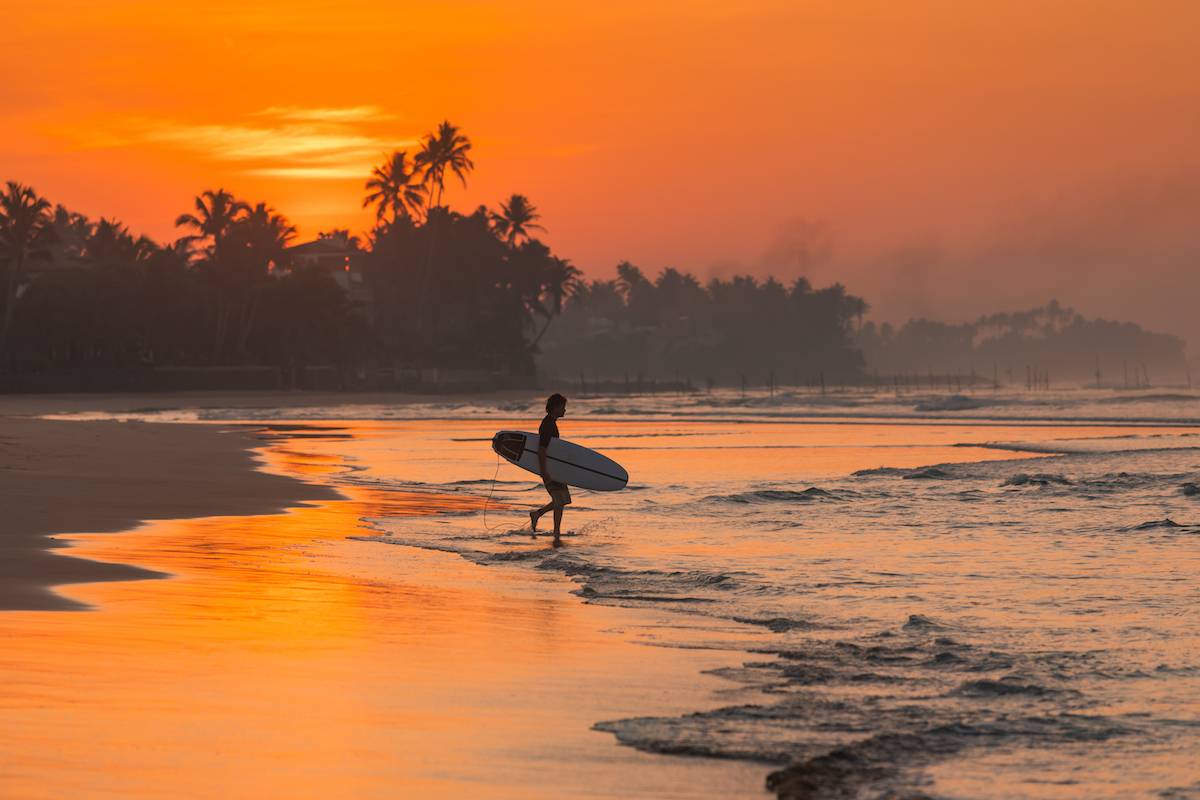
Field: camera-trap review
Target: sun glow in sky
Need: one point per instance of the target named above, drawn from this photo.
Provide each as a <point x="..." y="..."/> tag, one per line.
<point x="939" y="157"/>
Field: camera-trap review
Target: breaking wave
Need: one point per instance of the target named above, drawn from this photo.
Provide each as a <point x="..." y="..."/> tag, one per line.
<point x="812" y="494"/>
<point x="888" y="619"/>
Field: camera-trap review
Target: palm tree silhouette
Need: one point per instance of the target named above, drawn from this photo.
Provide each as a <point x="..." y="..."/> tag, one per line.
<point x="516" y="219"/>
<point x="446" y="149"/>
<point x="216" y="212"/>
<point x="395" y="188"/>
<point x="260" y="238"/>
<point x="26" y="231"/>
<point x="72" y="231"/>
<point x="267" y="234"/>
<point x="559" y="280"/>
<point x="110" y="242"/>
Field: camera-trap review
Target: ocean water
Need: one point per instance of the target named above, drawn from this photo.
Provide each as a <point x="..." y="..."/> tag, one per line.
<point x="979" y="596"/>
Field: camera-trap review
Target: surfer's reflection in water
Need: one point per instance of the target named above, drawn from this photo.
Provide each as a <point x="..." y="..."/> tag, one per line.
<point x="560" y="495"/>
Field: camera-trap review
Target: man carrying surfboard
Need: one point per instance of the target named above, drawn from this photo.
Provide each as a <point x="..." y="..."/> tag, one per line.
<point x="560" y="495"/>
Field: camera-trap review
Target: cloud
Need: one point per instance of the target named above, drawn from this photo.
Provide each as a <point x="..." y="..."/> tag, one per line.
<point x="279" y="141"/>
<point x="243" y="143"/>
<point x="350" y="114"/>
<point x="310" y="173"/>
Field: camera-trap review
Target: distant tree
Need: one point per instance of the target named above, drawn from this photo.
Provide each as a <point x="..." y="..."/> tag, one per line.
<point x="71" y="231"/>
<point x="257" y="244"/>
<point x="216" y="212"/>
<point x="114" y="300"/>
<point x="26" y="231"/>
<point x="110" y="242"/>
<point x="304" y="318"/>
<point x="516" y="218"/>
<point x="1050" y="339"/>
<point x="266" y="235"/>
<point x="673" y="326"/>
<point x="638" y="292"/>
<point x="542" y="281"/>
<point x="447" y="149"/>
<point x="487" y="302"/>
<point x="599" y="299"/>
<point x="395" y="188"/>
<point x="560" y="280"/>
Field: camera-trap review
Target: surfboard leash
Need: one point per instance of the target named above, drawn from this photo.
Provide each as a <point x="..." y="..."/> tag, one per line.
<point x="487" y="502"/>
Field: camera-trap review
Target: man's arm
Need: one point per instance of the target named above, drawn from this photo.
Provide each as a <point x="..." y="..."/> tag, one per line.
<point x="542" y="463"/>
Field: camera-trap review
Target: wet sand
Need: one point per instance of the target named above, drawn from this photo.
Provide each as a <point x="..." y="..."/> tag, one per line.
<point x="59" y="477"/>
<point x="280" y="659"/>
<point x="283" y="658"/>
<point x="72" y="477"/>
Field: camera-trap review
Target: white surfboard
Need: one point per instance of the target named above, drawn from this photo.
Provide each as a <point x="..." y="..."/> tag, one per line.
<point x="568" y="463"/>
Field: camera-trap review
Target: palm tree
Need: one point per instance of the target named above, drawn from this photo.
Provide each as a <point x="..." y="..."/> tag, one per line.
<point x="110" y="242"/>
<point x="560" y="279"/>
<point x="216" y="212"/>
<point x="71" y="231"/>
<point x="260" y="240"/>
<point x="446" y="149"/>
<point x="266" y="234"/>
<point x="394" y="188"/>
<point x="26" y="230"/>
<point x="516" y="219"/>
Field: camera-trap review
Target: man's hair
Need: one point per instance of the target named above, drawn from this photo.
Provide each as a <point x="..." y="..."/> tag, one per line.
<point x="553" y="400"/>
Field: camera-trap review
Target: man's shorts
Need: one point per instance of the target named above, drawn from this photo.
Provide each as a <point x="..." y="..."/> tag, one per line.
<point x="559" y="493"/>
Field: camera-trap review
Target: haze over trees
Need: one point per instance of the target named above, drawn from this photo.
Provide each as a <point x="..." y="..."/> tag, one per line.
<point x="675" y="328"/>
<point x="429" y="287"/>
<point x="1052" y="340"/>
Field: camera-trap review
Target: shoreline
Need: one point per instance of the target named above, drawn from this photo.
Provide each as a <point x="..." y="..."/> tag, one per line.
<point x="283" y="657"/>
<point x="63" y="478"/>
<point x="283" y="616"/>
<point x="190" y="407"/>
<point x="28" y="405"/>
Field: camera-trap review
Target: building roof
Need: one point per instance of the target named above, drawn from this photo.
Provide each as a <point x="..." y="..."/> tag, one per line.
<point x="329" y="246"/>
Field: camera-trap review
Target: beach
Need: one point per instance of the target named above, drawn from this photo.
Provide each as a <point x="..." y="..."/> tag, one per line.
<point x="977" y="596"/>
<point x="271" y="657"/>
<point x="63" y="477"/>
<point x="879" y="452"/>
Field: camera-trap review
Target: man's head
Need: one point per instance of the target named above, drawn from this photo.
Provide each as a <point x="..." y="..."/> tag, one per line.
<point x="556" y="405"/>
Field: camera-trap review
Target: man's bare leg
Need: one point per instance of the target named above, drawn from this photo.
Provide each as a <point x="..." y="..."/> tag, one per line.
<point x="534" y="516"/>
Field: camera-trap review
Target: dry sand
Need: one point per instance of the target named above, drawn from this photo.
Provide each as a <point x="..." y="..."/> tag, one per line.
<point x="93" y="477"/>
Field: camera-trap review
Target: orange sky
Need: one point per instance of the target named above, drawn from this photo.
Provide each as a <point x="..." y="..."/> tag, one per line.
<point x="958" y="156"/>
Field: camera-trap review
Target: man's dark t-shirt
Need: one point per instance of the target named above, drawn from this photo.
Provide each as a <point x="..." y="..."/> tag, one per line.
<point x="546" y="431"/>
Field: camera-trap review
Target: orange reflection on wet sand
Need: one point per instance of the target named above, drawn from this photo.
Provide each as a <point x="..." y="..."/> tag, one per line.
<point x="282" y="661"/>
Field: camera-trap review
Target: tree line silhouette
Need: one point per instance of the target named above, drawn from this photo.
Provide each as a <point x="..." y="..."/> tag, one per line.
<point x="723" y="332"/>
<point x="90" y="294"/>
<point x="442" y="288"/>
<point x="439" y="288"/>
<point x="1051" y="340"/>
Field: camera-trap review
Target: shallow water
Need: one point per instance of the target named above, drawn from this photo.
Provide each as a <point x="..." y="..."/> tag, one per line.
<point x="281" y="659"/>
<point x="980" y="596"/>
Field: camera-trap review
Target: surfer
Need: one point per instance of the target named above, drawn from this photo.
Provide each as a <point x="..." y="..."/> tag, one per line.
<point x="560" y="495"/>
